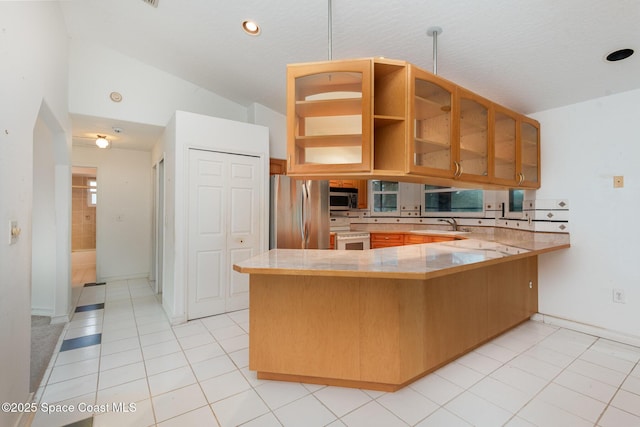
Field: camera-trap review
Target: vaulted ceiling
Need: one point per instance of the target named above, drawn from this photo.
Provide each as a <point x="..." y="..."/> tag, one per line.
<point x="528" y="55"/>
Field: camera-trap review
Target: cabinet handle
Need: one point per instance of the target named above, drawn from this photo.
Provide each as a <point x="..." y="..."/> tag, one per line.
<point x="521" y="178"/>
<point x="455" y="174"/>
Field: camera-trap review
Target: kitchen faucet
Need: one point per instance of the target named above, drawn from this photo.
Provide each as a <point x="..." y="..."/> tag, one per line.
<point x="451" y="221"/>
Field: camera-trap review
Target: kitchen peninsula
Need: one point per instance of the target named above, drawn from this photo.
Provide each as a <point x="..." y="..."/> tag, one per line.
<point x="382" y="318"/>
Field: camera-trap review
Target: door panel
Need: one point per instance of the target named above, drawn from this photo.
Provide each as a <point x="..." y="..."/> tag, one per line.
<point x="224" y="220"/>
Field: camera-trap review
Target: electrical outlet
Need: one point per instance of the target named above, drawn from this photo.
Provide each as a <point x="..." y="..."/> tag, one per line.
<point x="619" y="296"/>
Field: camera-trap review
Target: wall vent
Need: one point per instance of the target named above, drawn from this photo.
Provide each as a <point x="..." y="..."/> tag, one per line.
<point x="153" y="3"/>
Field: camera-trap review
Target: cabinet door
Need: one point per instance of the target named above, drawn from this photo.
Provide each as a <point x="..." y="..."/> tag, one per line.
<point x="277" y="166"/>
<point x="431" y="105"/>
<point x="529" y="155"/>
<point x="504" y="146"/>
<point x="474" y="150"/>
<point x="363" y="193"/>
<point x="329" y="116"/>
<point x="385" y="240"/>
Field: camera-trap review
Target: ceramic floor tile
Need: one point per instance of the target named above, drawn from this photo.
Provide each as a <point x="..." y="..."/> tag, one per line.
<point x="629" y="402"/>
<point x="513" y="343"/>
<point x="133" y="391"/>
<point x="61" y="418"/>
<point x="157" y="337"/>
<point x="209" y="351"/>
<point x="120" y="345"/>
<point x="614" y="417"/>
<point x="436" y="388"/>
<point x="121" y="375"/>
<point x="178" y="402"/>
<point x="79" y="342"/>
<point x="118" y="334"/>
<point x="160" y="349"/>
<point x="519" y="422"/>
<point x="307" y="411"/>
<point x="541" y="413"/>
<point x="536" y="367"/>
<point x="442" y="418"/>
<point x="459" y="375"/>
<point x="77" y="355"/>
<point x="193" y="327"/>
<point x="616" y="349"/>
<point x="73" y="370"/>
<point x="120" y="359"/>
<point x="372" y="415"/>
<point x="631" y="384"/>
<point x="496" y="352"/>
<point x="501" y="394"/>
<point x="240" y="358"/>
<point x="266" y="420"/>
<point x="165" y="363"/>
<point x="252" y="378"/>
<point x="213" y="367"/>
<point x="200" y="417"/>
<point x="585" y="385"/>
<point x="341" y="400"/>
<point x="409" y="405"/>
<point x="69" y="389"/>
<point x="227" y="332"/>
<point x="478" y="411"/>
<point x="279" y="393"/>
<point x="238" y="409"/>
<point x="223" y="386"/>
<point x="240" y="316"/>
<point x="550" y="356"/>
<point x="608" y="361"/>
<point x="597" y="372"/>
<point x="171" y="380"/>
<point x="519" y="379"/>
<point x="479" y="362"/>
<point x="236" y="343"/>
<point x="573" y="402"/>
<point x="198" y="340"/>
<point x="153" y="326"/>
<point x="141" y="415"/>
<point x="636" y="371"/>
<point x="216" y="322"/>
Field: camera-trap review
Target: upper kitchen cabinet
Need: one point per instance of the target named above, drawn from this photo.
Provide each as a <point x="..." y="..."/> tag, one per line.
<point x="516" y="159"/>
<point x="529" y="155"/>
<point x="432" y="130"/>
<point x="390" y="120"/>
<point x="329" y="112"/>
<point x="340" y="112"/>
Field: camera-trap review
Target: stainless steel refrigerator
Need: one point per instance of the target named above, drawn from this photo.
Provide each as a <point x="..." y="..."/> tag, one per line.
<point x="299" y="213"/>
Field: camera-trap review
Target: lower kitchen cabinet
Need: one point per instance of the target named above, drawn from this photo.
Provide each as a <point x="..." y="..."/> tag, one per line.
<point x="385" y="240"/>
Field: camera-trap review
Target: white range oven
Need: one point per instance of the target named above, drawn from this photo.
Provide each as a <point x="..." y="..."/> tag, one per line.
<point x="346" y="239"/>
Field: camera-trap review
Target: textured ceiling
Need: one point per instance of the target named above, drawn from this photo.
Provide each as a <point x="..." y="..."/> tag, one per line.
<point x="527" y="55"/>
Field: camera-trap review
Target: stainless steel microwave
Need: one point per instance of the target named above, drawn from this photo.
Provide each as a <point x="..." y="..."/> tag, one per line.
<point x="343" y="199"/>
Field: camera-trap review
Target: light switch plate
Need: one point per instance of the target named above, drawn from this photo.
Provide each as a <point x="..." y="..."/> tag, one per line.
<point x="618" y="181"/>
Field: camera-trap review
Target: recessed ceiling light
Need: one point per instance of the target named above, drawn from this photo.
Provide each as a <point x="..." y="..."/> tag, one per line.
<point x="251" y="28"/>
<point x="619" y="55"/>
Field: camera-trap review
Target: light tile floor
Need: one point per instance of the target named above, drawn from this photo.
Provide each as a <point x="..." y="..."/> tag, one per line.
<point x="196" y="374"/>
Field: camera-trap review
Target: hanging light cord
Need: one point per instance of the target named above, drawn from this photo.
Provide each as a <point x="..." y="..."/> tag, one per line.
<point x="330" y="32"/>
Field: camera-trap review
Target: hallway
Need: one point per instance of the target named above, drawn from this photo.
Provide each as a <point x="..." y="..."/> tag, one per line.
<point x="119" y="348"/>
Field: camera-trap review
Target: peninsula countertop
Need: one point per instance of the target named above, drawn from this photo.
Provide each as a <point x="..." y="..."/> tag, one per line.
<point x="420" y="261"/>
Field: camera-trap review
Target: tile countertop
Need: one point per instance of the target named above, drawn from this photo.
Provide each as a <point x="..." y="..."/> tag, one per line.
<point x="422" y="261"/>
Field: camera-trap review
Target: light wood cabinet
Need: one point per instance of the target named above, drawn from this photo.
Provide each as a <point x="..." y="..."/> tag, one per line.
<point x="361" y="185"/>
<point x="277" y="166"/>
<point x="415" y="239"/>
<point x="390" y="120"/>
<point x="332" y="240"/>
<point x="385" y="240"/>
<point x="516" y="145"/>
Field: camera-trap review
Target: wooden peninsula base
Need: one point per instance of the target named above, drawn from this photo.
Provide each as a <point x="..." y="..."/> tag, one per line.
<point x="381" y="333"/>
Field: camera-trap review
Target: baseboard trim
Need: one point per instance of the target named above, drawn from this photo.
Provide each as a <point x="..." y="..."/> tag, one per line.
<point x="588" y="329"/>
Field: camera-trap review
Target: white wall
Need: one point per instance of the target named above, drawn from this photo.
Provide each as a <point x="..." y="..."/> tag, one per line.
<point x="188" y="131"/>
<point x="33" y="51"/>
<point x="149" y="95"/>
<point x="123" y="216"/>
<point x="277" y="125"/>
<point x="583" y="147"/>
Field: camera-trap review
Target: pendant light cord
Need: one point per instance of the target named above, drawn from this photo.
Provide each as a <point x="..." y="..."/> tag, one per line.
<point x="330" y="32"/>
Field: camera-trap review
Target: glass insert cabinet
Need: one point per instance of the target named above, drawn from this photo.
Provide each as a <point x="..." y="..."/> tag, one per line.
<point x="377" y="118"/>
